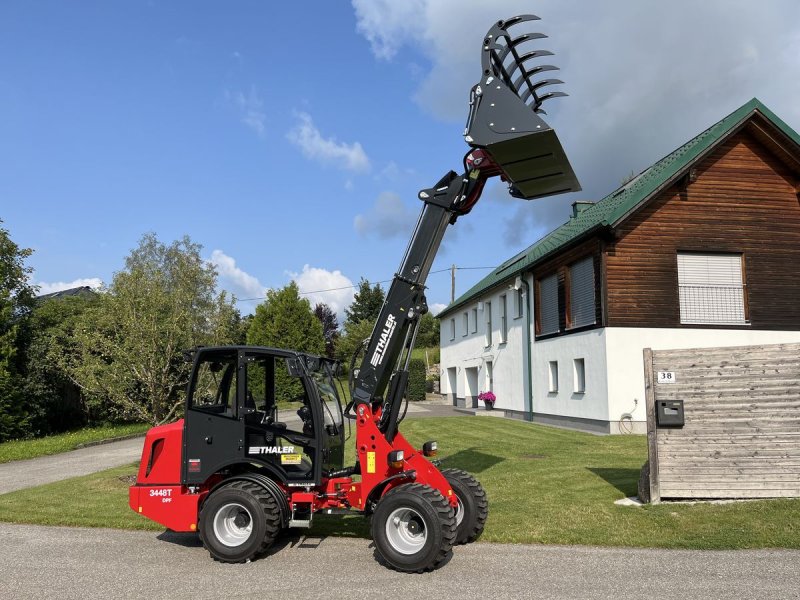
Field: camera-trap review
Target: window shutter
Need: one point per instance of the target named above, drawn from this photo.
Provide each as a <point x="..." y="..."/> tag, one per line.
<point x="711" y="288"/>
<point x="582" y="302"/>
<point x="548" y="309"/>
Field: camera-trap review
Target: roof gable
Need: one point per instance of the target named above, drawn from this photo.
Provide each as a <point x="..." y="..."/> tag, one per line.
<point x="622" y="202"/>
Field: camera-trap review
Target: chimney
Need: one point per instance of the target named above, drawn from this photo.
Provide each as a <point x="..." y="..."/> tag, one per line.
<point x="580" y="206"/>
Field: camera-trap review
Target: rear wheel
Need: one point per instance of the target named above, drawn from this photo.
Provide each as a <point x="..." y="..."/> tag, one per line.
<point x="473" y="505"/>
<point x="413" y="528"/>
<point x="239" y="521"/>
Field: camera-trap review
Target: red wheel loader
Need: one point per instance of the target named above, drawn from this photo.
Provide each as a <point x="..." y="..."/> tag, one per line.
<point x="261" y="445"/>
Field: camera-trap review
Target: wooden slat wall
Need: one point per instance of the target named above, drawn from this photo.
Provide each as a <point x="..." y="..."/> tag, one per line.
<point x="741" y="437"/>
<point x="744" y="200"/>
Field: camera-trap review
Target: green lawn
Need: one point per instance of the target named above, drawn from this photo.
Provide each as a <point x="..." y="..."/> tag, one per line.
<point x="545" y="485"/>
<point x="54" y="444"/>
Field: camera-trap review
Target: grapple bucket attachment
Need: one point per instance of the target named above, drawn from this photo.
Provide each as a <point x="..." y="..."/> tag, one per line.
<point x="504" y="114"/>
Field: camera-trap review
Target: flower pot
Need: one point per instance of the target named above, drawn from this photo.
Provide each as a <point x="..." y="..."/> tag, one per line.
<point x="488" y="405"/>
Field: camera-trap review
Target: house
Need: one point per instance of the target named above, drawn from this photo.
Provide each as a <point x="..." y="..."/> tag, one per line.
<point x="701" y="249"/>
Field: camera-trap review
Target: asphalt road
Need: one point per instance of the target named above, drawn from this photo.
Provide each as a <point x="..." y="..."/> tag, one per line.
<point x="55" y="562"/>
<point x="20" y="474"/>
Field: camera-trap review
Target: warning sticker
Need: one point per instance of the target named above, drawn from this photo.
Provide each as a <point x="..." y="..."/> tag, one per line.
<point x="291" y="459"/>
<point x="370" y="462"/>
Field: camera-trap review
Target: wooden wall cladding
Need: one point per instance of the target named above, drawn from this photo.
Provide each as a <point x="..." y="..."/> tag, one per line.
<point x="741" y="437"/>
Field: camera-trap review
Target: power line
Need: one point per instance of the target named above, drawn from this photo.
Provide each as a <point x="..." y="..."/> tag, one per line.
<point x="348" y="287"/>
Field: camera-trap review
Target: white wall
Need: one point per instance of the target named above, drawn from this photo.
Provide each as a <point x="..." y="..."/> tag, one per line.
<point x="591" y="347"/>
<point x="469" y="351"/>
<point x="624" y="346"/>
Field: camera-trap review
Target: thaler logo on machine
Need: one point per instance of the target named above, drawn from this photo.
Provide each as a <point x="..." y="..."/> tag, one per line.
<point x="270" y="450"/>
<point x="386" y="335"/>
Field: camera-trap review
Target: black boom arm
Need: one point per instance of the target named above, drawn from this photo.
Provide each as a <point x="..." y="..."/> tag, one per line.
<point x="508" y="138"/>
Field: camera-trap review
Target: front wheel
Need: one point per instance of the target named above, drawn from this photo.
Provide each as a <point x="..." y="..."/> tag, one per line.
<point x="239" y="521"/>
<point x="473" y="506"/>
<point x="413" y="528"/>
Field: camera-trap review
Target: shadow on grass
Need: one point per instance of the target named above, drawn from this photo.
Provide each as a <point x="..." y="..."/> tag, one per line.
<point x="625" y="480"/>
<point x="472" y="460"/>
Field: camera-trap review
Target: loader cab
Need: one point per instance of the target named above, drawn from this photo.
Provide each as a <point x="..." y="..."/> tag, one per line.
<point x="265" y="410"/>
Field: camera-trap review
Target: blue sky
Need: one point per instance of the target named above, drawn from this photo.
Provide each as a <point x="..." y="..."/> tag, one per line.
<point x="290" y="139"/>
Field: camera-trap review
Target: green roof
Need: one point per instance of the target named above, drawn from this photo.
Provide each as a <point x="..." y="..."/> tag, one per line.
<point x="620" y="203"/>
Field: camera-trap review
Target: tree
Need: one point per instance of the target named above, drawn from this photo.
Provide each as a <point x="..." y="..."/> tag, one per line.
<point x="16" y="301"/>
<point x="367" y="303"/>
<point x="285" y="320"/>
<point x="330" y="327"/>
<point x="127" y="350"/>
<point x="428" y="334"/>
<point x="56" y="402"/>
<point x="354" y="335"/>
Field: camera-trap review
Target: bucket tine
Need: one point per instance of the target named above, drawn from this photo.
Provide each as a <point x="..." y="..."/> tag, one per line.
<point x="539" y="84"/>
<point x="503" y="117"/>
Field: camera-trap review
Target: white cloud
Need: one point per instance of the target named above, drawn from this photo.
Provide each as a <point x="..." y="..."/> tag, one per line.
<point x="250" y="108"/>
<point x="643" y="77"/>
<point x="436" y="308"/>
<point x="389" y="217"/>
<point x="312" y="280"/>
<point x="307" y="137"/>
<point x="242" y="283"/>
<point x="58" y="286"/>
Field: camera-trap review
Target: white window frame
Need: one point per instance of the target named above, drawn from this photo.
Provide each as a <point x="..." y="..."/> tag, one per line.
<point x="466" y="324"/>
<point x="475" y="320"/>
<point x="503" y="319"/>
<point x="452" y="329"/>
<point x="487" y="317"/>
<point x="579" y="375"/>
<point x="552" y="376"/>
<point x="712" y="289"/>
<point x="520" y="297"/>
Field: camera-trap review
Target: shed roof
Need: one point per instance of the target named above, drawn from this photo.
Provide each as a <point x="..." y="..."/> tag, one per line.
<point x="619" y="204"/>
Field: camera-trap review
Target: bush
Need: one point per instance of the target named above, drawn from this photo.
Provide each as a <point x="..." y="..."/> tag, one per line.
<point x="416" y="380"/>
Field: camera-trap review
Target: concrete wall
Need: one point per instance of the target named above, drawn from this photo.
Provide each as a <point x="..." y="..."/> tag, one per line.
<point x="624" y="346"/>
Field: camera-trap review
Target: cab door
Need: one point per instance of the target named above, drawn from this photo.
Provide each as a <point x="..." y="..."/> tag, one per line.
<point x="333" y="434"/>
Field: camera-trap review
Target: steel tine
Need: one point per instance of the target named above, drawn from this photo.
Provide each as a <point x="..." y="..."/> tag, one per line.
<point x="526" y="57"/>
<point x="509" y="47"/>
<point x="532" y="89"/>
<point x="516" y="20"/>
<point x="531" y="72"/>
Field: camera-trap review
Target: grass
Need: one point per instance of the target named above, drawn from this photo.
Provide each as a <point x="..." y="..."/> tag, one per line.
<point x="64" y="442"/>
<point x="433" y="354"/>
<point x="545" y="486"/>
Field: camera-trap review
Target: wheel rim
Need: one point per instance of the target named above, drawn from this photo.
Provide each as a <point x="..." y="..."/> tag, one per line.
<point x="459" y="512"/>
<point x="406" y="531"/>
<point x="233" y="525"/>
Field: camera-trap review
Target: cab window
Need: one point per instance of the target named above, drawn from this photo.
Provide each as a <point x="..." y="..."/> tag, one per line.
<point x="214" y="386"/>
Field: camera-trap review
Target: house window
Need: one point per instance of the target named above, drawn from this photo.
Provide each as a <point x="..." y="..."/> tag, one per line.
<point x="711" y="289"/>
<point x="503" y="319"/>
<point x="452" y="329"/>
<point x="466" y="324"/>
<point x="578" y="376"/>
<point x="487" y="313"/>
<point x="548" y="305"/>
<point x="474" y="320"/>
<point x="520" y="303"/>
<point x="553" y="379"/>
<point x="581" y="293"/>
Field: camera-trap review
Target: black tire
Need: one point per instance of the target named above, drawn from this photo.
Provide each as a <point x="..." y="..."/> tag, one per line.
<point x="413" y="528"/>
<point x="247" y="519"/>
<point x="473" y="505"/>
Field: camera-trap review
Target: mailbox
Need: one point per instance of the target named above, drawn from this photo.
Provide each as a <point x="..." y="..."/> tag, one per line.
<point x="669" y="413"/>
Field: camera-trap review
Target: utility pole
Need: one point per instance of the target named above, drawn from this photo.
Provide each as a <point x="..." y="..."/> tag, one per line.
<point x="452" y="284"/>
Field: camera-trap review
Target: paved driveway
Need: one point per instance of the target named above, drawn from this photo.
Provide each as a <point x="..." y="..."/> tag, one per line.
<point x="46" y="469"/>
<point x="55" y="562"/>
